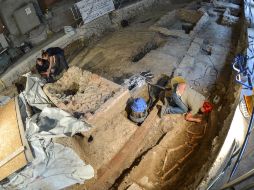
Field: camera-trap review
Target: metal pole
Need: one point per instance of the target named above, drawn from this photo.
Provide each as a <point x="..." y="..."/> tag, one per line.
<point x="238" y="180"/>
<point x="244" y="145"/>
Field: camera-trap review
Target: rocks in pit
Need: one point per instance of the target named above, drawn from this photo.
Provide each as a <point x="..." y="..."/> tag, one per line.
<point x="229" y="19"/>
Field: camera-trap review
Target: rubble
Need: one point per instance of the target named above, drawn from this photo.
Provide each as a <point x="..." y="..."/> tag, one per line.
<point x="80" y="92"/>
<point x="229" y="19"/>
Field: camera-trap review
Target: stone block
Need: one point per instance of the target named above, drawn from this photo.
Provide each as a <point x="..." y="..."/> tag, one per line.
<point x="167" y="32"/>
<point x="203" y="20"/>
<point x="187" y="61"/>
<point x="194" y="49"/>
<point x="199" y="41"/>
<point x="134" y="186"/>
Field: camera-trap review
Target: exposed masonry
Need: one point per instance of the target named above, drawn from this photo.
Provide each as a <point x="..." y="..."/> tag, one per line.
<point x="94" y="29"/>
<point x="80" y="92"/>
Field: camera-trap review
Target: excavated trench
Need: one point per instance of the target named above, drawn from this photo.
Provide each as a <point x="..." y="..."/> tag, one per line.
<point x="80" y="92"/>
<point x="162" y="153"/>
<point x="142" y="53"/>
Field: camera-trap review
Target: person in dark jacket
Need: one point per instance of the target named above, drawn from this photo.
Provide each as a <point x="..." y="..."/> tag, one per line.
<point x="55" y="53"/>
<point x="42" y="67"/>
<point x="45" y="69"/>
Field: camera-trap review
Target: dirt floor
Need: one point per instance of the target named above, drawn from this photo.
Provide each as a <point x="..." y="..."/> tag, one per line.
<point x="174" y="150"/>
<point x="180" y="149"/>
<point x="119" y="55"/>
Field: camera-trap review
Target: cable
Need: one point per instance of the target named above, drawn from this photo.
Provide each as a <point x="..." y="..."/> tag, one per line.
<point x="234" y="150"/>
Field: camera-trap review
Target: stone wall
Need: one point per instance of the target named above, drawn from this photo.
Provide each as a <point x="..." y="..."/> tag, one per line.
<point x="96" y="28"/>
<point x="7" y="9"/>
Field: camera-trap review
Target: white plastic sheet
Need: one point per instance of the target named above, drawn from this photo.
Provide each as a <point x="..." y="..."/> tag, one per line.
<point x="55" y="166"/>
<point x="90" y="9"/>
<point x="34" y="94"/>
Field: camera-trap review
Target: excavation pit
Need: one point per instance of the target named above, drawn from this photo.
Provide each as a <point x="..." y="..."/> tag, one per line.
<point x="84" y="94"/>
<point x="166" y="157"/>
<point x="142" y="53"/>
<point x="180" y="19"/>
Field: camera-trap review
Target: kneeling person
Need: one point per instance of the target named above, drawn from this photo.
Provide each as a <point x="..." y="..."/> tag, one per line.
<point x="186" y="100"/>
<point x="46" y="69"/>
<point x="55" y="55"/>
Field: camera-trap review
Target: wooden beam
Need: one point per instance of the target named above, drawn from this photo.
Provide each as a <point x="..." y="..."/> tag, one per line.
<point x="11" y="156"/>
<point x="126" y="156"/>
<point x="10" y="141"/>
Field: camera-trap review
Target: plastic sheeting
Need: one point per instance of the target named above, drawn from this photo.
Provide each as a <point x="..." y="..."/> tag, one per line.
<point x="135" y="81"/>
<point x="34" y="94"/>
<point x="54" y="166"/>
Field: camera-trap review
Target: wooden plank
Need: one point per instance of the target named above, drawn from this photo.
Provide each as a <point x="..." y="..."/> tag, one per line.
<point x="10" y="140"/>
<point x="28" y="151"/>
<point x="108" y="173"/>
<point x="12" y="156"/>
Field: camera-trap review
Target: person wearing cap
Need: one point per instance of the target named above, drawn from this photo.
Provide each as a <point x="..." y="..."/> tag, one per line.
<point x="185" y="100"/>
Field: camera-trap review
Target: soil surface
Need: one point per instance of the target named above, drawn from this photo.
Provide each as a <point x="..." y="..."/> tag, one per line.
<point x="80" y="92"/>
<point x="204" y="60"/>
<point x="175" y="150"/>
